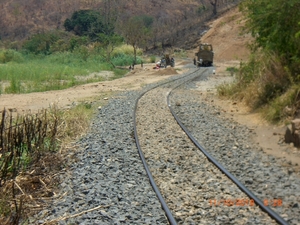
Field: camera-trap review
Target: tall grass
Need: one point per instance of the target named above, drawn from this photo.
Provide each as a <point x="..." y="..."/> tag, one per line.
<point x="263" y="83"/>
<point x="53" y="72"/>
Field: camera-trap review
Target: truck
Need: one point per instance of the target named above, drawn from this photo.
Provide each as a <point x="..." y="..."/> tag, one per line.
<point x="205" y="55"/>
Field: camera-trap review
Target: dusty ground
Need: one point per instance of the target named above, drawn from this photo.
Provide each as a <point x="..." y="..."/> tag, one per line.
<point x="88" y="92"/>
<point x="229" y="47"/>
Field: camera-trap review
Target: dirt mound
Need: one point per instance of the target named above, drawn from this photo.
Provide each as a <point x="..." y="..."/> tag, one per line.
<point x="165" y="71"/>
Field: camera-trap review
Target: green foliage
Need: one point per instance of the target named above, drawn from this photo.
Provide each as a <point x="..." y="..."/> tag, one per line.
<point x="261" y="83"/>
<point x="10" y="55"/>
<point x="123" y="60"/>
<point x="52" y="72"/>
<point x="88" y="23"/>
<point x="81" y="22"/>
<point x="201" y="9"/>
<point x="41" y="43"/>
<point x="152" y="59"/>
<point x="54" y="41"/>
<point x="14" y="87"/>
<point x="125" y="50"/>
<point x="275" y="26"/>
<point x="146" y="20"/>
<point x="232" y="70"/>
<point x="283" y="106"/>
<point x="82" y="52"/>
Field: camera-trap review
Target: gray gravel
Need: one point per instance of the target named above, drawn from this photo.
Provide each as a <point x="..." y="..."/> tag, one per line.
<point x="231" y="145"/>
<point x="194" y="189"/>
<point x="107" y="184"/>
<point x="108" y="173"/>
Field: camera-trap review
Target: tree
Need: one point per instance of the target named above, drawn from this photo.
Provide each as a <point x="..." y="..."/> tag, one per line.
<point x="136" y="31"/>
<point x="214" y="3"/>
<point x="275" y="25"/>
<point x="108" y="43"/>
<point x="86" y="23"/>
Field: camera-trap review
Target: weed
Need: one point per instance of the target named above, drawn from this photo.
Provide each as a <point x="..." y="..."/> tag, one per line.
<point x="232" y="70"/>
<point x="152" y="59"/>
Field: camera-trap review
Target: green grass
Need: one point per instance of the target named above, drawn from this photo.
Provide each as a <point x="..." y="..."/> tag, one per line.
<point x="53" y="72"/>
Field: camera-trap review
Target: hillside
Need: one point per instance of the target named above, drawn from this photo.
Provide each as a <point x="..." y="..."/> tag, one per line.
<point x="224" y="33"/>
<point x="174" y="20"/>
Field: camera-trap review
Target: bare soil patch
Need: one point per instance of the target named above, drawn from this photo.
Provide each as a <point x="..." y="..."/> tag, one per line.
<point x="134" y="79"/>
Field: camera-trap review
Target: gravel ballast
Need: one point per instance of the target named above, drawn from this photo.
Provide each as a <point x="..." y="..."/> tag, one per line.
<point x="230" y="144"/>
<point x="108" y="174"/>
<point x="107" y="183"/>
<point x="189" y="182"/>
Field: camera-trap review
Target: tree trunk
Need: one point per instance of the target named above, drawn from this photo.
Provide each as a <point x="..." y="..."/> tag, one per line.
<point x="134" y="52"/>
<point x="214" y="4"/>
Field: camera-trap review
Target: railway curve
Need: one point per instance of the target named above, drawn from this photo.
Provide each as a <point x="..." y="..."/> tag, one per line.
<point x="231" y="145"/>
<point x="188" y="182"/>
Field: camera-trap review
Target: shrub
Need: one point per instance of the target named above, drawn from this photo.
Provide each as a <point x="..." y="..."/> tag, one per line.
<point x="232" y="70"/>
<point x="123" y="60"/>
<point x="40" y="43"/>
<point x="152" y="59"/>
<point x="10" y="56"/>
<point x="126" y="50"/>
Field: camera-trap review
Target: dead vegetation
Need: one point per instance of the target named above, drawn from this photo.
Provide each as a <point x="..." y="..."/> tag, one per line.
<point x="32" y="148"/>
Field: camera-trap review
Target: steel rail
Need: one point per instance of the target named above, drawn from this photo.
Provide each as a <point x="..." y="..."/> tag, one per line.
<point x="164" y="205"/>
<point x="268" y="210"/>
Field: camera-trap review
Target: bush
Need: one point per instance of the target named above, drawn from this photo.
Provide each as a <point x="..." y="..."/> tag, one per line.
<point x="123" y="60"/>
<point x="152" y="59"/>
<point x="53" y="41"/>
<point x="10" y="56"/>
<point x="232" y="70"/>
<point x="40" y="43"/>
<point x="126" y="50"/>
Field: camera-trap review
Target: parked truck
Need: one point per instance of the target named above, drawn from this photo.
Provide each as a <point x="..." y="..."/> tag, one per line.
<point x="205" y="55"/>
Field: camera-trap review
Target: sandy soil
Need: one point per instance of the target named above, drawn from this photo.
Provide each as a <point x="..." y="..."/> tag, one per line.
<point x="88" y="92"/>
<point x="229" y="47"/>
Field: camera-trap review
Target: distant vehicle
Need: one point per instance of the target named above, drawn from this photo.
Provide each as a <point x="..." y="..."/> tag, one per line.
<point x="204" y="56"/>
<point x="166" y="60"/>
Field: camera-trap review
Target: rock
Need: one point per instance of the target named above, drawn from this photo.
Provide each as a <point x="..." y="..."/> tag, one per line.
<point x="295" y="125"/>
<point x="288" y="137"/>
<point x="296" y="137"/>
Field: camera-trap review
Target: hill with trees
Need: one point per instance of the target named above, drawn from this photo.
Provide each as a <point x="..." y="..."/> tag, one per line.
<point x="172" y="20"/>
<point x="269" y="81"/>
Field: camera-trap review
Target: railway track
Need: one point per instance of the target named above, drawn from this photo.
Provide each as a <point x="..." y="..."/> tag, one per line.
<point x="192" y="190"/>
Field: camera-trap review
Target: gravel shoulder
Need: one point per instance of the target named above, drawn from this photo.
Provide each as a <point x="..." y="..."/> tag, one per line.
<point x="268" y="136"/>
<point x="270" y="178"/>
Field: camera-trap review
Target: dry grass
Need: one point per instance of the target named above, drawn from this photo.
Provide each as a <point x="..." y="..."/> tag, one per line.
<point x="261" y="84"/>
<point x="36" y="185"/>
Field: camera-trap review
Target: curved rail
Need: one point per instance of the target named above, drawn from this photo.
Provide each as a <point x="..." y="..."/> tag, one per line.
<point x="152" y="182"/>
<point x="268" y="210"/>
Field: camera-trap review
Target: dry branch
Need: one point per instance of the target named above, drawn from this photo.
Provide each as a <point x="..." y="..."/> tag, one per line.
<point x="76" y="215"/>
